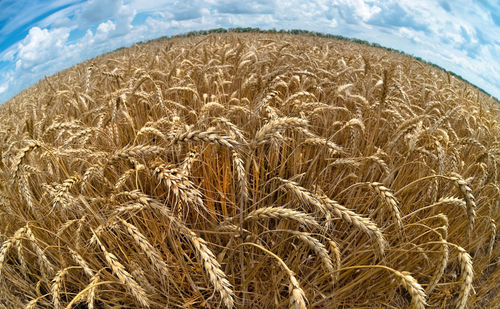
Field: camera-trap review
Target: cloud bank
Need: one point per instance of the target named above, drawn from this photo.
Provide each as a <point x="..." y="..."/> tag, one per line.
<point x="42" y="39"/>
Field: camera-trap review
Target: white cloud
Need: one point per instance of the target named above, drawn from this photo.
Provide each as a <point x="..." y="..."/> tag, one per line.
<point x="21" y="13"/>
<point x="7" y="78"/>
<point x="412" y="35"/>
<point x="124" y="19"/>
<point x="4" y="87"/>
<point x="41" y="45"/>
<point x="354" y="11"/>
<point x="8" y="54"/>
<point x="96" y="11"/>
<point x="114" y="18"/>
<point x="149" y="5"/>
<point x="245" y="7"/>
<point x="59" y="18"/>
<point x="104" y="29"/>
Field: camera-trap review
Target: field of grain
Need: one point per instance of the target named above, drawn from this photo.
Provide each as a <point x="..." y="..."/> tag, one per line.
<point x="250" y="171"/>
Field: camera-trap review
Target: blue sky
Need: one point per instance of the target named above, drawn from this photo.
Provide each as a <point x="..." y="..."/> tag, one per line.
<point x="39" y="38"/>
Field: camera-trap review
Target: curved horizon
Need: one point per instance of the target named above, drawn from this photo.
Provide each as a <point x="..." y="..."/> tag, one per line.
<point x="41" y="38"/>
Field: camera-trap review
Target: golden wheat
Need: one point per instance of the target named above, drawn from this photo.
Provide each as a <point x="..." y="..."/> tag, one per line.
<point x="171" y="174"/>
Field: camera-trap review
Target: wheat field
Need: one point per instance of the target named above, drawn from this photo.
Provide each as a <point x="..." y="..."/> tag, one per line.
<point x="250" y="171"/>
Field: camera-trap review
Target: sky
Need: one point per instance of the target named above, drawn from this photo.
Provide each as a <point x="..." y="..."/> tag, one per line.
<point x="41" y="37"/>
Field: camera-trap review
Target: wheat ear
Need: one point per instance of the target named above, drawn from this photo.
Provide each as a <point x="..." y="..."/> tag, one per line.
<point x="334" y="248"/>
<point x="9" y="244"/>
<point x="151" y="252"/>
<point x="61" y="195"/>
<point x="414" y="288"/>
<point x="493" y="236"/>
<point x="212" y="267"/>
<point x="277" y="125"/>
<point x="132" y="152"/>
<point x="451" y="201"/>
<point x="233" y="129"/>
<point x="18" y="160"/>
<point x="81" y="261"/>
<point x="126" y="175"/>
<point x="42" y="258"/>
<point x="439" y="271"/>
<point x="152" y="131"/>
<point x="390" y="200"/>
<point x="25" y="190"/>
<point x="57" y="286"/>
<point x="241" y="176"/>
<point x="320" y="250"/>
<point x="18" y="244"/>
<point x="188" y="161"/>
<point x="466" y="276"/>
<point x="180" y="185"/>
<point x="124" y="276"/>
<point x="298" y="95"/>
<point x="407" y="281"/>
<point x="209" y="136"/>
<point x="469" y="200"/>
<point x="305" y="196"/>
<point x="298" y="298"/>
<point x="297" y="295"/>
<point x="283" y="213"/>
<point x="363" y="224"/>
<point x="32" y="304"/>
<point x="92" y="291"/>
<point x="322" y="142"/>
